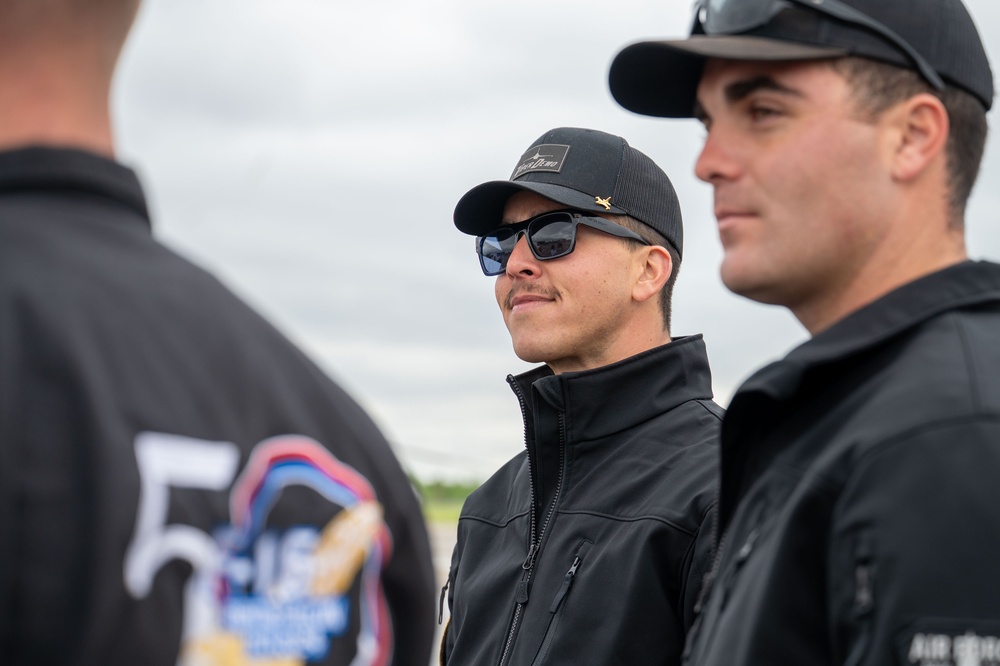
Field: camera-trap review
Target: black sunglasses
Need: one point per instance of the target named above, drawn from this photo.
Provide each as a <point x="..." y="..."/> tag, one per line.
<point x="550" y="236"/>
<point x="735" y="16"/>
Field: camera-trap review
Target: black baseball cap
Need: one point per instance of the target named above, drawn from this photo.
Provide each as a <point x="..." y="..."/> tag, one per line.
<point x="935" y="37"/>
<point x="585" y="170"/>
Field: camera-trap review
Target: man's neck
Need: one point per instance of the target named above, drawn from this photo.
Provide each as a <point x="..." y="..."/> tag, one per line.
<point x="51" y="103"/>
<point x="635" y="344"/>
<point x="900" y="262"/>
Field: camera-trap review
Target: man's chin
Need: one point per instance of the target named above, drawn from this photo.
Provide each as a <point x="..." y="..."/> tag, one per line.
<point x="531" y="352"/>
<point x="529" y="357"/>
<point x="748" y="284"/>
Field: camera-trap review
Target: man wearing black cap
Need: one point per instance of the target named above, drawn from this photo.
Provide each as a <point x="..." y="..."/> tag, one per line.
<point x="590" y="546"/>
<point x="859" y="494"/>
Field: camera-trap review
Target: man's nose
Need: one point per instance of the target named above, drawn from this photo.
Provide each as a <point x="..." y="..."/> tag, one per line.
<point x="522" y="261"/>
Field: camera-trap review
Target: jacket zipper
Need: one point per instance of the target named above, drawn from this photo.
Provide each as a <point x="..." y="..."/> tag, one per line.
<point x="557" y="602"/>
<point x="564" y="588"/>
<point x="709" y="582"/>
<point x="535" y="544"/>
<point x="864" y="602"/>
<point x="709" y="579"/>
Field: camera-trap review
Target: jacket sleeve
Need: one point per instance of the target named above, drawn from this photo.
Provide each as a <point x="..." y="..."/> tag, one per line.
<point x="697" y="566"/>
<point x="448" y="635"/>
<point x="915" y="542"/>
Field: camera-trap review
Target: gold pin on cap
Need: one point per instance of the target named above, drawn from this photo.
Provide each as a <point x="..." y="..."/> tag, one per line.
<point x="604" y="202"/>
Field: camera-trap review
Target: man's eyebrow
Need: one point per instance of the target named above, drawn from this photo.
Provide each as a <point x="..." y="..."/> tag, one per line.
<point x="741" y="89"/>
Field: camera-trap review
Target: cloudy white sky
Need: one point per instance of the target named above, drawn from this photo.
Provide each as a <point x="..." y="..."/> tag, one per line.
<point x="310" y="153"/>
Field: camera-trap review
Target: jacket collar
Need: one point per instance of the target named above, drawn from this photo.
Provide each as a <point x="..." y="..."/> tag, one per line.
<point x="606" y="400"/>
<point x="43" y="168"/>
<point x="763" y="402"/>
<point x="962" y="285"/>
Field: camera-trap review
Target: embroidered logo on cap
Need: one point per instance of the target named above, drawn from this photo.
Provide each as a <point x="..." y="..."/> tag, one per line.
<point x="546" y="157"/>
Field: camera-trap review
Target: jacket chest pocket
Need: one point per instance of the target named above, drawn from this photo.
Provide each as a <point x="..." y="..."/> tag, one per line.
<point x="560" y="600"/>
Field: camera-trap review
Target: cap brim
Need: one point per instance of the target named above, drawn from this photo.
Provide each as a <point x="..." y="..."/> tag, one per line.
<point x="660" y="78"/>
<point x="481" y="209"/>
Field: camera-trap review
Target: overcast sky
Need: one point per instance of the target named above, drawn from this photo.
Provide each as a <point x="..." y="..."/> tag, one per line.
<point x="310" y="153"/>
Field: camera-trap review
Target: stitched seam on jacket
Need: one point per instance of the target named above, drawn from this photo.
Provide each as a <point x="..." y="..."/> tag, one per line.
<point x="495" y="523"/>
<point x="628" y="519"/>
<point x="970" y="362"/>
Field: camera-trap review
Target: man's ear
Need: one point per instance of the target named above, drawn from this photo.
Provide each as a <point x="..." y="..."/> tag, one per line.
<point x="654" y="267"/>
<point x="921" y="129"/>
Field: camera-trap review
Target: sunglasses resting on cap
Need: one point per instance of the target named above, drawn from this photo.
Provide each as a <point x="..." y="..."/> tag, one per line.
<point x="736" y="16"/>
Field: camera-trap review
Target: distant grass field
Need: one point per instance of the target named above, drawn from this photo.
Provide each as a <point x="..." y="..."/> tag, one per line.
<point x="442" y="501"/>
<point x="442" y="510"/>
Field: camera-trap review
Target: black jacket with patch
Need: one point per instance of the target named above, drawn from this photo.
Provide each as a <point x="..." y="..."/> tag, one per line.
<point x="174" y="474"/>
<point x="589" y="547"/>
<point x="860" y="490"/>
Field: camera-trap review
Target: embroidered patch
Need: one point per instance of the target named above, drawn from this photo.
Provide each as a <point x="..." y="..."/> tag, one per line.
<point x="950" y="642"/>
<point x="261" y="594"/>
<point x="546" y="157"/>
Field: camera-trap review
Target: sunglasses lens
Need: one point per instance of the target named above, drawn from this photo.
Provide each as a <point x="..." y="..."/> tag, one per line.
<point x="492" y="256"/>
<point x="553" y="238"/>
<point x="550" y="236"/>
<point x="494" y="250"/>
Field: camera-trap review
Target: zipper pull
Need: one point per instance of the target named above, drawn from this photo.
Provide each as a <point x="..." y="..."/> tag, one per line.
<point x="522" y="588"/>
<point x="864" y="596"/>
<point x="567" y="581"/>
<point x="706" y="584"/>
<point x="529" y="561"/>
<point x="444" y="590"/>
<point x="747" y="548"/>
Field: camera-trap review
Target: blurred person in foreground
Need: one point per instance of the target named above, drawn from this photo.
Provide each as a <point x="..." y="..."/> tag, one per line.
<point x="178" y="483"/>
<point x="590" y="546"/>
<point x="859" y="499"/>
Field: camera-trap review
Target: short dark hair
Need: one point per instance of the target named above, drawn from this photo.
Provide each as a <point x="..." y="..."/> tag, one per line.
<point x="654" y="237"/>
<point x="877" y="86"/>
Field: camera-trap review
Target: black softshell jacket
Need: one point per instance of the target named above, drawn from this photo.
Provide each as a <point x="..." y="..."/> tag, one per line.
<point x="860" y="497"/>
<point x="170" y="465"/>
<point x="589" y="547"/>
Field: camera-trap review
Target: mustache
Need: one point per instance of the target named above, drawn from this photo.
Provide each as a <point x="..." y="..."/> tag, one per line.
<point x="528" y="290"/>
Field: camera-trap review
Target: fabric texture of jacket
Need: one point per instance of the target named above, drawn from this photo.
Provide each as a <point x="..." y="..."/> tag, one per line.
<point x="174" y="474"/>
<point x="860" y="490"/>
<point x="589" y="547"/>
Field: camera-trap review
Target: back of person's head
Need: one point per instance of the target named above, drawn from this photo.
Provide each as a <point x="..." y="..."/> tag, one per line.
<point x="25" y="23"/>
<point x="57" y="63"/>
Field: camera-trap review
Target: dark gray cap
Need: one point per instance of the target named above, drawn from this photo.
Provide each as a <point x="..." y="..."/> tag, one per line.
<point x="585" y="170"/>
<point x="660" y="77"/>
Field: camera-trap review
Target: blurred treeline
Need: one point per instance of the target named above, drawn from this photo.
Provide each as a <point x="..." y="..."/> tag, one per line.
<point x="444" y="491"/>
<point x="442" y="500"/>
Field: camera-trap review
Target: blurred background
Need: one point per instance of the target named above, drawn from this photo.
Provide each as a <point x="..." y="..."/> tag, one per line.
<point x="310" y="153"/>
